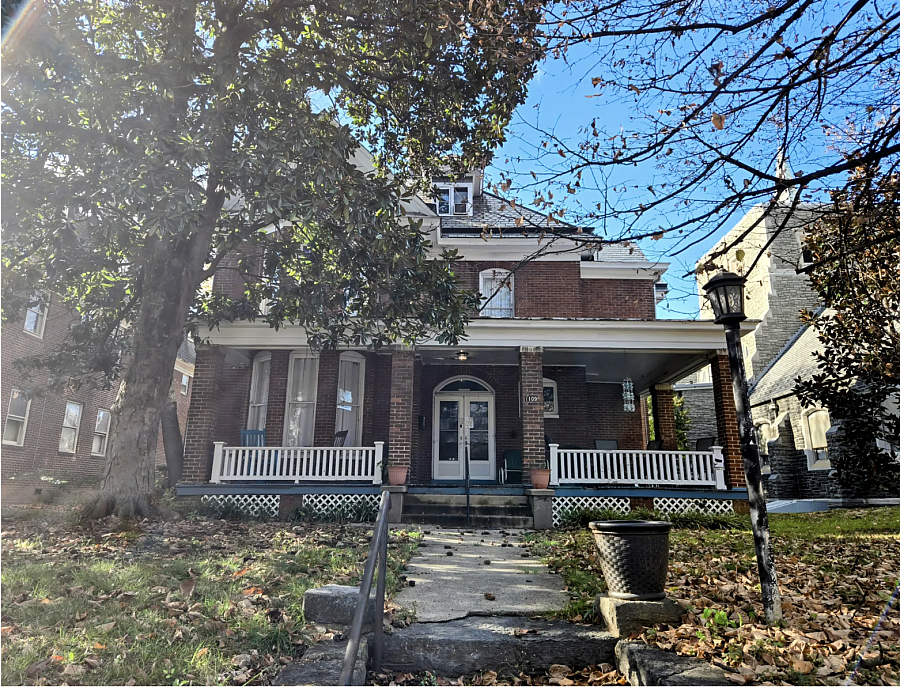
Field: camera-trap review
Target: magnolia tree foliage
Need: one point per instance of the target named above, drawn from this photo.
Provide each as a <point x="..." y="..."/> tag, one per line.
<point x="149" y="146"/>
<point x="859" y="362"/>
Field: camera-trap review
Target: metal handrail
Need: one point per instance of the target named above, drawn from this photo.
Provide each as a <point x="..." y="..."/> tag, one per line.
<point x="377" y="554"/>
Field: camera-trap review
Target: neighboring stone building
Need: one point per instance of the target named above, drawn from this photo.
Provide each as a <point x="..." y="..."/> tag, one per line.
<point x="56" y="441"/>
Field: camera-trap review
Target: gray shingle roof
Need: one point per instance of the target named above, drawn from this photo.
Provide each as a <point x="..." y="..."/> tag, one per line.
<point x="795" y="360"/>
<point x="490" y="212"/>
<point x="186" y="351"/>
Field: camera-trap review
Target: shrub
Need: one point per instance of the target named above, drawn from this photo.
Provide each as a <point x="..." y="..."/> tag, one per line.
<point x="579" y="517"/>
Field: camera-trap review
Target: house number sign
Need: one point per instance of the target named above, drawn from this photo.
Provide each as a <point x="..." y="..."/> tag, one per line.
<point x="532" y="398"/>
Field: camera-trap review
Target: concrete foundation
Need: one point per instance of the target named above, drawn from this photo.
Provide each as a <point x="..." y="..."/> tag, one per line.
<point x="541" y="502"/>
<point x="624" y="617"/>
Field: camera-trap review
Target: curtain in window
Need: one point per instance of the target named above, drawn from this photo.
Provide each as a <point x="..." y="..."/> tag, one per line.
<point x="259" y="394"/>
<point x="350" y="386"/>
<point x="497" y="287"/>
<point x="301" y="402"/>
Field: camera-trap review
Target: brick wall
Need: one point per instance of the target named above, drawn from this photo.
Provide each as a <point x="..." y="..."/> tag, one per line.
<point x="278" y="383"/>
<point x="544" y="289"/>
<point x="607" y="418"/>
<point x="572" y="425"/>
<point x="377" y="399"/>
<point x="183" y="402"/>
<point x="326" y="398"/>
<point x="726" y="420"/>
<point x="400" y="434"/>
<point x="23" y="466"/>
<point x="532" y="389"/>
<point x="203" y="416"/>
<point x="664" y="416"/>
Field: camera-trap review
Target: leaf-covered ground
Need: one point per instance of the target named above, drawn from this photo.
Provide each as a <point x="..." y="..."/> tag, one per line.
<point x="839" y="574"/>
<point x="189" y="602"/>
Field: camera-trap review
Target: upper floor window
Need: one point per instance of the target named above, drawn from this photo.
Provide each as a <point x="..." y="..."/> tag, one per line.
<point x="36" y="314"/>
<point x="68" y="438"/>
<point x="16" y="418"/>
<point x="497" y="288"/>
<point x="816" y="424"/>
<point x="454" y="199"/>
<point x="101" y="433"/>
<point x="185" y="383"/>
<point x="351" y="380"/>
<point x="551" y="399"/>
<point x="259" y="391"/>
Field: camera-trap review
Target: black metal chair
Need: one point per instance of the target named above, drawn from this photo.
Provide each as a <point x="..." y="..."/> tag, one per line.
<point x="340" y="438"/>
<point x="511" y="471"/>
<point x="253" y="438"/>
<point x="705" y="444"/>
<point x="654" y="445"/>
<point x="611" y="445"/>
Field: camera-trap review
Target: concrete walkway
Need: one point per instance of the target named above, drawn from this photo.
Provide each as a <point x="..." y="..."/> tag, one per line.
<point x="454" y="569"/>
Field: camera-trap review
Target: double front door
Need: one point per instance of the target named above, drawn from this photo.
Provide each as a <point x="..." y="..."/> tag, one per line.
<point x="464" y="427"/>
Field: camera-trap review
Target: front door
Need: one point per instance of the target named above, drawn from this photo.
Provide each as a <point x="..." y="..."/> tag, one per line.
<point x="464" y="424"/>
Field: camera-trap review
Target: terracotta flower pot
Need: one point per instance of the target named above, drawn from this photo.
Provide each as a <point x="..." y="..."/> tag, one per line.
<point x="397" y="474"/>
<point x="540" y="478"/>
<point x="634" y="557"/>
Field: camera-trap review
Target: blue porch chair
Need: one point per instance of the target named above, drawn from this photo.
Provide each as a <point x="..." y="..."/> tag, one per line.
<point x="511" y="470"/>
<point x="253" y="438"/>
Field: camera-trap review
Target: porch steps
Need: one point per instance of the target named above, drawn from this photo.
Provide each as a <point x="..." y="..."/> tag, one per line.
<point x="488" y="511"/>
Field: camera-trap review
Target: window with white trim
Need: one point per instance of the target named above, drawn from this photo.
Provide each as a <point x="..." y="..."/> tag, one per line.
<point x="453" y="199"/>
<point x="185" y="383"/>
<point x="498" y="289"/>
<point x="551" y="399"/>
<point x="764" y="434"/>
<point x="101" y="433"/>
<point x="351" y="384"/>
<point x="259" y="391"/>
<point x="36" y="314"/>
<point x="16" y="418"/>
<point x="816" y="424"/>
<point x="68" y="437"/>
<point x="301" y="407"/>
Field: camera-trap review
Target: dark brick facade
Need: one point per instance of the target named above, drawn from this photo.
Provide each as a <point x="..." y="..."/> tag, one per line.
<point x="400" y="434"/>
<point x="664" y="416"/>
<point x="203" y="416"/>
<point x="726" y="420"/>
<point x="326" y="398"/>
<point x="532" y="387"/>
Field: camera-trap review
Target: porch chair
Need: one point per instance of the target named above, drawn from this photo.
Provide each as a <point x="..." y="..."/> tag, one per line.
<point x="340" y="438"/>
<point x="654" y="445"/>
<point x="705" y="444"/>
<point x="253" y="438"/>
<point x="606" y="444"/>
<point x="511" y="470"/>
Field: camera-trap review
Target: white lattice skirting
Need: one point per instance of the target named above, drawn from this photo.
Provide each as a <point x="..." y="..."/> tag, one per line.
<point x="323" y="503"/>
<point x="251" y="504"/>
<point x="561" y="504"/>
<point x="678" y="505"/>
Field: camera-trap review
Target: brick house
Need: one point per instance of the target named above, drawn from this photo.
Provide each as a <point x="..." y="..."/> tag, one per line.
<point x="543" y="374"/>
<point x="794" y="440"/>
<point x="55" y="441"/>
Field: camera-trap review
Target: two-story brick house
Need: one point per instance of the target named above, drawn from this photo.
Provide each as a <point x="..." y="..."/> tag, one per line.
<point x="56" y="440"/>
<point x="551" y="370"/>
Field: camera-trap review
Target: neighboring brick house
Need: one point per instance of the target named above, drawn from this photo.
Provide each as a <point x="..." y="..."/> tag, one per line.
<point x="793" y="439"/>
<point x="52" y="439"/>
<point x="545" y="369"/>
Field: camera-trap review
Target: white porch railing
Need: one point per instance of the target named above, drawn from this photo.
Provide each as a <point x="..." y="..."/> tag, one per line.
<point x="322" y="464"/>
<point x="618" y="467"/>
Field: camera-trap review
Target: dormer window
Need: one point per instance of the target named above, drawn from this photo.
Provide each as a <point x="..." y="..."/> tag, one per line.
<point x="454" y="199"/>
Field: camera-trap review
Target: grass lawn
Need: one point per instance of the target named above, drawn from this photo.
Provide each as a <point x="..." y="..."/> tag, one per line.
<point x="837" y="572"/>
<point x="187" y="602"/>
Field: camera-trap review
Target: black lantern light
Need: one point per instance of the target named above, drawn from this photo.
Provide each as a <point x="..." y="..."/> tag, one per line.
<point x="726" y="295"/>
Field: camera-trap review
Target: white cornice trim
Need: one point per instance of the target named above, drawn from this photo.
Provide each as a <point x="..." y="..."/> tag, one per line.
<point x="184" y="367"/>
<point x="622" y="270"/>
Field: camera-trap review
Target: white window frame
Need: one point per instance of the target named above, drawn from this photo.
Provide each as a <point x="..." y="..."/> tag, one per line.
<point x="40" y="312"/>
<point x="77" y="427"/>
<point x="551" y="383"/>
<point x="361" y="360"/>
<point x="812" y="461"/>
<point x="24" y="419"/>
<point x="260" y="358"/>
<point x="185" y="384"/>
<point x="98" y="432"/>
<point x="452" y="198"/>
<point x="492" y="274"/>
<point x="289" y="404"/>
<point x="762" y="442"/>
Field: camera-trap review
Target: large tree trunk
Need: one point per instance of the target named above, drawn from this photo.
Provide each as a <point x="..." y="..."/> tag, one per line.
<point x="173" y="442"/>
<point x="168" y="284"/>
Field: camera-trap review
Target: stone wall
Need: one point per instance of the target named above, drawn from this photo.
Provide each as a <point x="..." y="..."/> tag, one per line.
<point x="699" y="404"/>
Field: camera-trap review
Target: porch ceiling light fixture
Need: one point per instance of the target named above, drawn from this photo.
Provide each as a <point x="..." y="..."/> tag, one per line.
<point x="462" y="355"/>
<point x="628" y="394"/>
<point x="726" y="296"/>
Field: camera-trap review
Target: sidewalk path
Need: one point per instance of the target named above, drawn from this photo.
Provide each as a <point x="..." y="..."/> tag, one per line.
<point x="453" y="586"/>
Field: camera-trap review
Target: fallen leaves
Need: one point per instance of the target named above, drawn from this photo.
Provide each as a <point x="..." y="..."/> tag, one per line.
<point x="187" y="587"/>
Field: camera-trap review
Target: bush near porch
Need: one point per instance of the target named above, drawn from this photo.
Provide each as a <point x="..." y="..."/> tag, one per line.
<point x="839" y="573"/>
<point x="197" y="601"/>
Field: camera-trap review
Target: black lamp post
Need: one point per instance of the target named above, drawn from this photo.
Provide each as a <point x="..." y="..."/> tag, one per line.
<point x="726" y="295"/>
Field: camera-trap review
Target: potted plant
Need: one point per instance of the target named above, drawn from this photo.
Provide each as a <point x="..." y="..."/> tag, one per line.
<point x="397" y="475"/>
<point x="634" y="557"/>
<point x="540" y="477"/>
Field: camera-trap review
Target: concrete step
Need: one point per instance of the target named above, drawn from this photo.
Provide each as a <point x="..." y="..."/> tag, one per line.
<point x="458" y="520"/>
<point x="464" y="646"/>
<point x="460" y="500"/>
